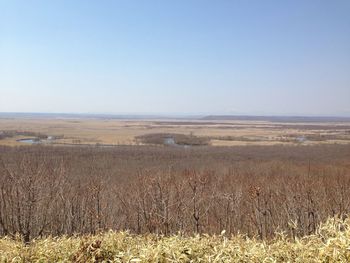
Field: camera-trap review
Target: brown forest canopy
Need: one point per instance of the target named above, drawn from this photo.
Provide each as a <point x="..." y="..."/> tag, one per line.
<point x="250" y="189"/>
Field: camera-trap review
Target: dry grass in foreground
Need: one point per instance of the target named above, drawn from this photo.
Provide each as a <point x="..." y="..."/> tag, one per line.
<point x="330" y="243"/>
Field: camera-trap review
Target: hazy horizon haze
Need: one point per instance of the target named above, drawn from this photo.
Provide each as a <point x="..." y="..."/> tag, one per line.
<point x="176" y="57"/>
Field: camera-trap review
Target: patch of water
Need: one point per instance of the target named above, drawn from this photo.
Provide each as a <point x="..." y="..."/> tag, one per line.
<point x="30" y="140"/>
<point x="301" y="139"/>
<point x="170" y="141"/>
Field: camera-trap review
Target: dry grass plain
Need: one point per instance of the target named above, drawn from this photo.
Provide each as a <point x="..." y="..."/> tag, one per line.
<point x="218" y="132"/>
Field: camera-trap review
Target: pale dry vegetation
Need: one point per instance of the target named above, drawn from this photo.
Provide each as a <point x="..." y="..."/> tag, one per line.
<point x="330" y="243"/>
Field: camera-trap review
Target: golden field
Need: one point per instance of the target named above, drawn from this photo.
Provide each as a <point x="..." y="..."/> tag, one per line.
<point x="330" y="243"/>
<point x="220" y="133"/>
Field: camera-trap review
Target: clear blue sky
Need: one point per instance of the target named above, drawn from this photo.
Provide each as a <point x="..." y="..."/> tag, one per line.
<point x="175" y="57"/>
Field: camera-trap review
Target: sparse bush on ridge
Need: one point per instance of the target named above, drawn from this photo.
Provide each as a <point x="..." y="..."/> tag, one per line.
<point x="180" y="139"/>
<point x="12" y="133"/>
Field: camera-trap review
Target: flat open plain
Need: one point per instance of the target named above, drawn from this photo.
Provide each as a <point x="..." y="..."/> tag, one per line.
<point x="106" y="131"/>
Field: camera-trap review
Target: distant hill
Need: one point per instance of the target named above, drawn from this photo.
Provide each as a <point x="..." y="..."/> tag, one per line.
<point x="291" y="119"/>
<point x="277" y="118"/>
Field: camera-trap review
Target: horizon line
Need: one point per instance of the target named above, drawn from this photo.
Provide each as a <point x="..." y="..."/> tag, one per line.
<point x="218" y="115"/>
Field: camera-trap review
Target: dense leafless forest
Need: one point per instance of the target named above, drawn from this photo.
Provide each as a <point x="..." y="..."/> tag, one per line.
<point x="253" y="190"/>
